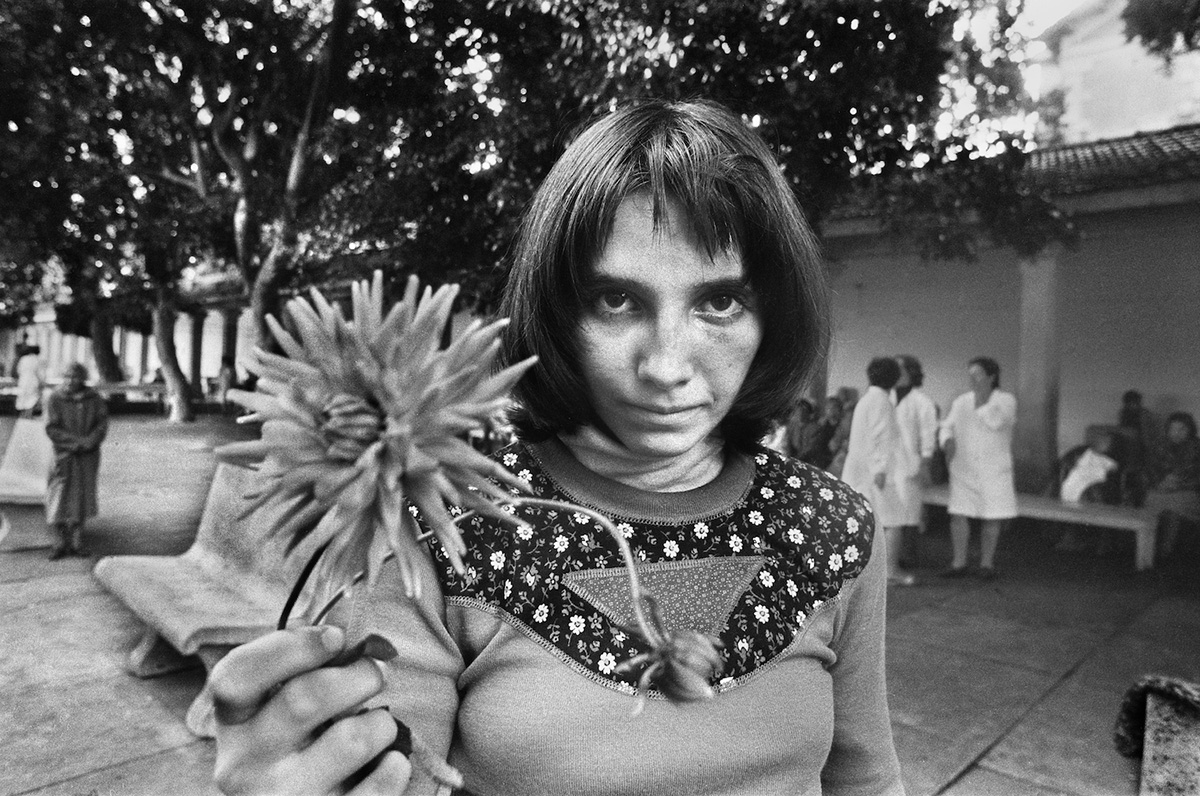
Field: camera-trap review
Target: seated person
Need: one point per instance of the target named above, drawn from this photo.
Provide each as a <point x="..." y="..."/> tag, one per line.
<point x="801" y="428"/>
<point x="1173" y="479"/>
<point x="817" y="449"/>
<point x="1092" y="476"/>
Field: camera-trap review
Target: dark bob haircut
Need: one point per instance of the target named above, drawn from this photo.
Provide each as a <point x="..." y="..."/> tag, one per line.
<point x="912" y="366"/>
<point x="990" y="366"/>
<point x="883" y="372"/>
<point x="731" y="191"/>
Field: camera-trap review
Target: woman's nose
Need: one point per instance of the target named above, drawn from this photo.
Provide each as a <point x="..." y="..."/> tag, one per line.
<point x="665" y="359"/>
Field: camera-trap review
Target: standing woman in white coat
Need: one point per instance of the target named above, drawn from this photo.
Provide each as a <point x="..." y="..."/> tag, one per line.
<point x="917" y="415"/>
<point x="877" y="462"/>
<point x="977" y="439"/>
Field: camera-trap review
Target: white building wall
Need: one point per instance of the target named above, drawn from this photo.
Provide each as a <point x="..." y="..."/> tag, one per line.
<point x="1128" y="317"/>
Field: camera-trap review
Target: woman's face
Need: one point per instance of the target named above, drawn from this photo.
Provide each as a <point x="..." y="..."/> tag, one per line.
<point x="979" y="378"/>
<point x="1177" y="432"/>
<point x="75" y="379"/>
<point x="667" y="334"/>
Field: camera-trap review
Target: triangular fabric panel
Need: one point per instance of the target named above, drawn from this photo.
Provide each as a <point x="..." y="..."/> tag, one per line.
<point x="693" y="595"/>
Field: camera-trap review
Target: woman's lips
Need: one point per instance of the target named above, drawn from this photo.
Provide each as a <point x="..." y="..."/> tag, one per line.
<point x="664" y="413"/>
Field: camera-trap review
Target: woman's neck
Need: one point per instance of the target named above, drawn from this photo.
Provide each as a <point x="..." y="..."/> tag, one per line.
<point x="605" y="456"/>
<point x="982" y="396"/>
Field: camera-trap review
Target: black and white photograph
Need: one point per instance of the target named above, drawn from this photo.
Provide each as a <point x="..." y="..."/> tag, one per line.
<point x="600" y="397"/>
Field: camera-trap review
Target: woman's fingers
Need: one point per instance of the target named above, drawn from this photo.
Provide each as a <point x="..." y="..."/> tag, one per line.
<point x="349" y="749"/>
<point x="285" y="723"/>
<point x="309" y="700"/>
<point x="243" y="680"/>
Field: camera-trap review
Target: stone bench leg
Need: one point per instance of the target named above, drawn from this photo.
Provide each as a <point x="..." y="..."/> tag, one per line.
<point x="152" y="656"/>
<point x="1147" y="539"/>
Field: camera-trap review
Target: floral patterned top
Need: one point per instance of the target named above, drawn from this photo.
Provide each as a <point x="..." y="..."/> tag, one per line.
<point x="750" y="573"/>
<point x="512" y="670"/>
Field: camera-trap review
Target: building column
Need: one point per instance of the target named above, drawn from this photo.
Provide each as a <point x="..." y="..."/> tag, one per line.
<point x="196" y="350"/>
<point x="1035" y="446"/>
<point x="121" y="344"/>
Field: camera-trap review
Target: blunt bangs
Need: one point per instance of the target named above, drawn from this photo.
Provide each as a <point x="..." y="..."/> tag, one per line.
<point x="729" y="187"/>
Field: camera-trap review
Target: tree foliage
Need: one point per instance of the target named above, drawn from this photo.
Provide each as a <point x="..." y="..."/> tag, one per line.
<point x="1166" y="28"/>
<point x="304" y="142"/>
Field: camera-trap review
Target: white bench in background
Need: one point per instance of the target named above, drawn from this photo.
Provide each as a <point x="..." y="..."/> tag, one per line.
<point x="23" y="473"/>
<point x="1039" y="507"/>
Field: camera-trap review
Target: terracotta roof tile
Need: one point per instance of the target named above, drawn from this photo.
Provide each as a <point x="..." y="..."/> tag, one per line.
<point x="1140" y="160"/>
<point x="1155" y="158"/>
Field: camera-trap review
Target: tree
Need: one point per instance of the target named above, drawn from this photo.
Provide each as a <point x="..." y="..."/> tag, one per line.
<point x="60" y="195"/>
<point x="1167" y="28"/>
<point x="318" y="140"/>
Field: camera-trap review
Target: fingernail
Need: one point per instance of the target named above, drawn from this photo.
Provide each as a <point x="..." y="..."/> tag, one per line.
<point x="332" y="638"/>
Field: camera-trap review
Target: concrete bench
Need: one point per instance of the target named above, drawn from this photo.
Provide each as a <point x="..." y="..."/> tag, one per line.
<point x="26" y="464"/>
<point x="226" y="589"/>
<point x="1039" y="507"/>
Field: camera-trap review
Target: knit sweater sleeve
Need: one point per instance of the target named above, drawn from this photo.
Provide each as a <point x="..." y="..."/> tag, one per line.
<point x="421" y="683"/>
<point x="862" y="759"/>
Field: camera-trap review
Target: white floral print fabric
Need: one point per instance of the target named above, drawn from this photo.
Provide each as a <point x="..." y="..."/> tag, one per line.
<point x="813" y="532"/>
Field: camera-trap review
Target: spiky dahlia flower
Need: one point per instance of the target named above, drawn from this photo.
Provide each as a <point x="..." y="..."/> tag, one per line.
<point x="361" y="415"/>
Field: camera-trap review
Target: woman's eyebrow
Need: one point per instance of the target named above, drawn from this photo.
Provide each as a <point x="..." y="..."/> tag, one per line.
<point x="608" y="282"/>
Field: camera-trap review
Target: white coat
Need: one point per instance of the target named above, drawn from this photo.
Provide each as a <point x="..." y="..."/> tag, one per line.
<point x="875" y="447"/>
<point x="917" y="416"/>
<point x="30" y="378"/>
<point x="981" y="470"/>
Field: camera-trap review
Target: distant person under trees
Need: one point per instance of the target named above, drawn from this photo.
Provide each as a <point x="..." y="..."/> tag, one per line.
<point x="76" y="422"/>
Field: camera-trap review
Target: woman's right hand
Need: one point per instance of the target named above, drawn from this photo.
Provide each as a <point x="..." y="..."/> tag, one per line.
<point x="289" y="723"/>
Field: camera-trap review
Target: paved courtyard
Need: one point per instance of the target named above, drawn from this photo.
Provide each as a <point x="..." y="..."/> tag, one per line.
<point x="1007" y="687"/>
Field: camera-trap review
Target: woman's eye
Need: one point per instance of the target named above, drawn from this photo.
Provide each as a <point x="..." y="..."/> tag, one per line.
<point x="615" y="301"/>
<point x="723" y="305"/>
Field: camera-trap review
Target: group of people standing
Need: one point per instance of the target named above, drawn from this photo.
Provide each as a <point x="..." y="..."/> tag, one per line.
<point x="892" y="436"/>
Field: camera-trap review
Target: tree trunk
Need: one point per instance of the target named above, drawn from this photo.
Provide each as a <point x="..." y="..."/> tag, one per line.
<point x="108" y="365"/>
<point x="178" y="390"/>
<point x="264" y="293"/>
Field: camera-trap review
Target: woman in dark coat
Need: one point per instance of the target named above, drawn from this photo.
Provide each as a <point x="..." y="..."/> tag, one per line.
<point x="76" y="422"/>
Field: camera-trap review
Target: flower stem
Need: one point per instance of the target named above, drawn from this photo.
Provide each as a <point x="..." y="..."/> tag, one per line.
<point x="635" y="583"/>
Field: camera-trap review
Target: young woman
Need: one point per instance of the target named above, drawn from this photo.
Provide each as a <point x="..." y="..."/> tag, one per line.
<point x="877" y="461"/>
<point x="672" y="291"/>
<point x="977" y="438"/>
